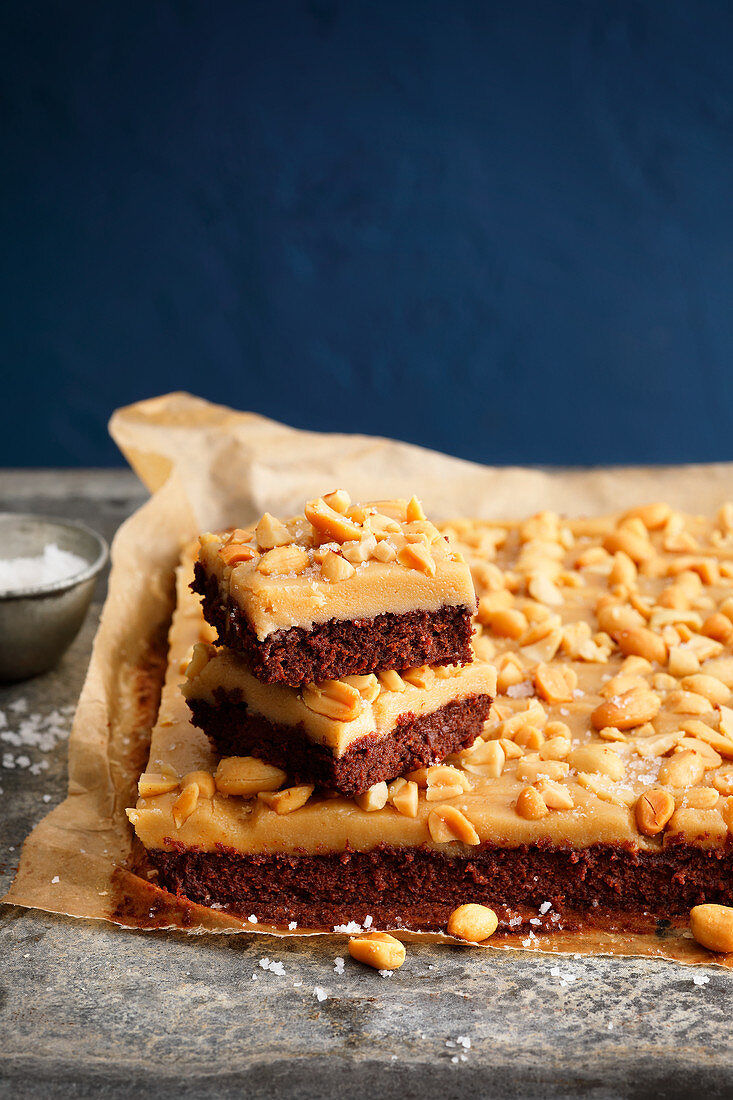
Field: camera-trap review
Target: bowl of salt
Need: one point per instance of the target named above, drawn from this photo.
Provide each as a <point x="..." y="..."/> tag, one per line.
<point x="48" y="569"/>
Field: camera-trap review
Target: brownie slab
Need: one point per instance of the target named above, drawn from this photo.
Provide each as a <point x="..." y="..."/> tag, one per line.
<point x="601" y="783"/>
<point x="341" y="589"/>
<point x="410" y="744"/>
<point x="338" y="647"/>
<point x="604" y="885"/>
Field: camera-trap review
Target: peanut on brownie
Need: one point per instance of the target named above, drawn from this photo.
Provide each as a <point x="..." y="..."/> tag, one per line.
<point x="344" y="589"/>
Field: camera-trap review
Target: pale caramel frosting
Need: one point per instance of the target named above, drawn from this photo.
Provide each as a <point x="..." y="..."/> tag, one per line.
<point x="611" y="640"/>
<point x="354" y="563"/>
<point x="373" y="704"/>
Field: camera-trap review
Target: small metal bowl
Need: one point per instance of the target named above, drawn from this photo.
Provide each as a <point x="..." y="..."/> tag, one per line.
<point x="39" y="623"/>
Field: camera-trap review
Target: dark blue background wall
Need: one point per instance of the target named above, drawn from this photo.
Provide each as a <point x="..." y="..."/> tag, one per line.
<point x="500" y="229"/>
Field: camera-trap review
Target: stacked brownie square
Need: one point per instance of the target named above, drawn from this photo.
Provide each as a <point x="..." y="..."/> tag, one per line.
<point x="344" y="655"/>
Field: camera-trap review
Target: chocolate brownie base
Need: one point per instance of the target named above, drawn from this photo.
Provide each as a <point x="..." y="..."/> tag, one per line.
<point x="339" y="647"/>
<point x="235" y="731"/>
<point x="417" y="888"/>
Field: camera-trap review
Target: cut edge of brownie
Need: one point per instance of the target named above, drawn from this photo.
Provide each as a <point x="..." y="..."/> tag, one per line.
<point x="417" y="888"/>
<point x="339" y="647"/>
<point x="235" y="731"/>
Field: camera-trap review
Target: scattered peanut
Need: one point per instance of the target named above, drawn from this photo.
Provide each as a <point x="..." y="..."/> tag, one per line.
<point x="375" y="798"/>
<point x="335" y="568"/>
<point x="286" y="800"/>
<point x="531" y="805"/>
<point x="283" y="560"/>
<point x="246" y="776"/>
<point x="712" y="927"/>
<point x="378" y="949"/>
<point x="472" y="923"/>
<point x="334" y="699"/>
<point x="447" y="823"/>
<point x="633" y="708"/>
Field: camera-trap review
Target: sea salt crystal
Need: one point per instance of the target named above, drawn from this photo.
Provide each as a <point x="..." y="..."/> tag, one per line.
<point x="55" y="879"/>
<point x="293" y="925"/>
<point x="272" y="965"/>
<point x="320" y="993"/>
<point x="520" y="691"/>
<point x="338" y="964"/>
<point x="545" y="907"/>
<point x="352" y="928"/>
<point x="52" y="565"/>
<point x="464" y="1041"/>
<point x="565" y="978"/>
<point x="386" y="973"/>
<point x="252" y="919"/>
<point x="700" y="979"/>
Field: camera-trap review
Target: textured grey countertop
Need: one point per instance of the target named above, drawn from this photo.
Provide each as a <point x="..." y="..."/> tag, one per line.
<point x="87" y="1009"/>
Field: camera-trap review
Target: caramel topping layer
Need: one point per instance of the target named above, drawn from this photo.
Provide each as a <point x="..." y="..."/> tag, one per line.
<point x="337" y="561"/>
<point x="339" y="712"/>
<point x="611" y="639"/>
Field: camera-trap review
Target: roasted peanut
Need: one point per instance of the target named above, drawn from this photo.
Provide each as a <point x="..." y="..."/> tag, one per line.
<point x="151" y="784"/>
<point x="283" y="560"/>
<point x="633" y="708"/>
<point x="287" y="800"/>
<point x="270" y="532"/>
<point x="185" y="804"/>
<point x="653" y="810"/>
<point x="335" y="568"/>
<point x="531" y="805"/>
<point x="683" y="769"/>
<point x="246" y="776"/>
<point x="447" y="823"/>
<point x="640" y="642"/>
<point x="472" y="923"/>
<point x="712" y="926"/>
<point x="374" y="798"/>
<point x="555" y="684"/>
<point x="378" y="949"/>
<point x="334" y="699"/>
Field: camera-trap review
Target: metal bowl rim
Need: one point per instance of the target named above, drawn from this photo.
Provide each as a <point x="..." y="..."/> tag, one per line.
<point x="66" y="583"/>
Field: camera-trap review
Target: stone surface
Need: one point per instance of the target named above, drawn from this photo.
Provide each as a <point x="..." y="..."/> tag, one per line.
<point x="91" y="1010"/>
